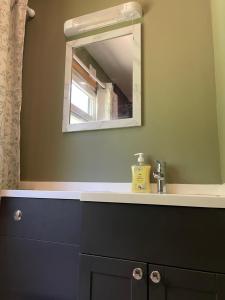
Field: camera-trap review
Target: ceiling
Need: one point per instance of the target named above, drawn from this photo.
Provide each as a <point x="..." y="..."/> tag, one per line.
<point x="116" y="59"/>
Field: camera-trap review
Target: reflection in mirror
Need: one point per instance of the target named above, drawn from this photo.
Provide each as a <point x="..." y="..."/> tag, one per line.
<point x="102" y="81"/>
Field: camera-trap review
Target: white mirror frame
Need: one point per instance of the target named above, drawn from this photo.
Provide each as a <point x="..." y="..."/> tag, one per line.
<point x="128" y="122"/>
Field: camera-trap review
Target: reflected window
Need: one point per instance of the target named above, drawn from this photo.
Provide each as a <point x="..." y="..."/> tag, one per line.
<point x="79" y="98"/>
<point x="82" y="103"/>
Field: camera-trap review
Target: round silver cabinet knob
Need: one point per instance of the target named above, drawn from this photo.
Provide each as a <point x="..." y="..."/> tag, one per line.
<point x="17" y="215"/>
<point x="155" y="277"/>
<point x="137" y="273"/>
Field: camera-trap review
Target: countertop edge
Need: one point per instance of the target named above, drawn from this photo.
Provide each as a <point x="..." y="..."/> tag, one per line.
<point x="204" y="201"/>
<point x="44" y="194"/>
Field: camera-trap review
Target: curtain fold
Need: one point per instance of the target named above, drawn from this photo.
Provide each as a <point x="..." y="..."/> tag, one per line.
<point x="12" y="31"/>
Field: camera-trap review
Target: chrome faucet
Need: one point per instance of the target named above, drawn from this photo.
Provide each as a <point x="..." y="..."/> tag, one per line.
<point x="160" y="175"/>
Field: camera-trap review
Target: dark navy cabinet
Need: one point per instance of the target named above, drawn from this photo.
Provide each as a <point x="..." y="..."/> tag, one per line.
<point x="180" y="251"/>
<point x="55" y="249"/>
<point x="39" y="252"/>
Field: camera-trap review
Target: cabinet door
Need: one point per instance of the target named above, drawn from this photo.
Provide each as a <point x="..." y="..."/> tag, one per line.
<point x="106" y="278"/>
<point x="37" y="270"/>
<point x="167" y="283"/>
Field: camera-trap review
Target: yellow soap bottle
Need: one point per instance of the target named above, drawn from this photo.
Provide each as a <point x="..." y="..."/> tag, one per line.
<point x="141" y="175"/>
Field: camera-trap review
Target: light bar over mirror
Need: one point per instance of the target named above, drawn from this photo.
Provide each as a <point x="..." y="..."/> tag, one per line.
<point x="121" y="13"/>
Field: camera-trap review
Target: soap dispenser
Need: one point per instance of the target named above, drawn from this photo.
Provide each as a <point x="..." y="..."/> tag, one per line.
<point x="141" y="175"/>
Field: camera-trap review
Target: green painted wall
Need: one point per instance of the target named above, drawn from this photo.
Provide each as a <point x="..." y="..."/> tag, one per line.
<point x="179" y="99"/>
<point x="218" y="21"/>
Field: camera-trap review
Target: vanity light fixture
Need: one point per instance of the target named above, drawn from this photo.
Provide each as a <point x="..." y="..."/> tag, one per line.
<point x="106" y="17"/>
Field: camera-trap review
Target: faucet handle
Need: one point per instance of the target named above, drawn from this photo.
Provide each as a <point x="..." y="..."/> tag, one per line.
<point x="160" y="166"/>
<point x="160" y="175"/>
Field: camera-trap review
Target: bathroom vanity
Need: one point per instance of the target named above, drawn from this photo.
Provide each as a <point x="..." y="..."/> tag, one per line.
<point x="152" y="252"/>
<point x="93" y="249"/>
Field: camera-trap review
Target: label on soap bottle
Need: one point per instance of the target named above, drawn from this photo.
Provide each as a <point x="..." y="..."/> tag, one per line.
<point x="141" y="179"/>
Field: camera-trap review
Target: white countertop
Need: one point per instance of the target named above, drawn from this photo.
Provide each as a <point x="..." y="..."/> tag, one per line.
<point x="191" y="200"/>
<point x="189" y="195"/>
<point x="207" y="201"/>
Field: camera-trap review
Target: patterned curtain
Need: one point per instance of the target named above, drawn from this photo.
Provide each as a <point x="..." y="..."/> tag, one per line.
<point x="12" y="30"/>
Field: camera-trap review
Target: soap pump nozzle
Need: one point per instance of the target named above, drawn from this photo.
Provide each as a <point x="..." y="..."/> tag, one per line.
<point x="140" y="158"/>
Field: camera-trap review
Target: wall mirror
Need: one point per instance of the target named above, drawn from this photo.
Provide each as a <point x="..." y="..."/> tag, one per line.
<point x="103" y="80"/>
